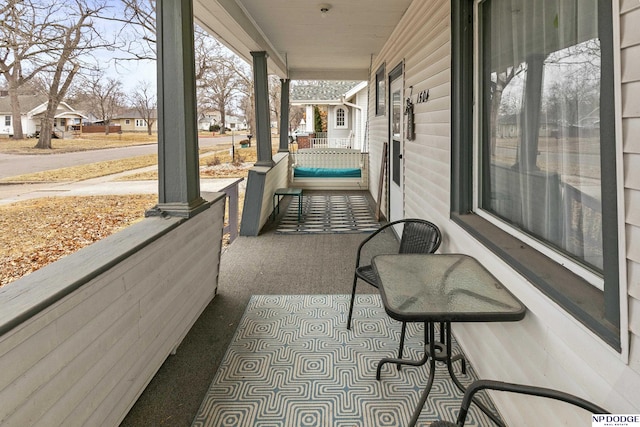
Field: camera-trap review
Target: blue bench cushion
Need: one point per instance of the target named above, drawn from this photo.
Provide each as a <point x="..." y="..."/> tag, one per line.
<point x="304" y="172"/>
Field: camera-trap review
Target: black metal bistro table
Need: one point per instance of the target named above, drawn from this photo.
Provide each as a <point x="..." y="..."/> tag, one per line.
<point x="441" y="288"/>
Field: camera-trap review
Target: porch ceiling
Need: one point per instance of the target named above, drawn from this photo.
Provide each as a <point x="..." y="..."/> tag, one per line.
<point x="301" y="43"/>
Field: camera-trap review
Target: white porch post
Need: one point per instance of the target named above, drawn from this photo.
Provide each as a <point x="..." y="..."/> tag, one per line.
<point x="178" y="170"/>
<point x="310" y="119"/>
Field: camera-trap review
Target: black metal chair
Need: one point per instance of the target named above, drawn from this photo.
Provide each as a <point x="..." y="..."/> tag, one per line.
<point x="515" y="388"/>
<point x="418" y="237"/>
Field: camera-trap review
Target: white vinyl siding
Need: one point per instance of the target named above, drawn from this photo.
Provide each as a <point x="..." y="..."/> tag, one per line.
<point x="630" y="79"/>
<point x="549" y="347"/>
<point x="83" y="360"/>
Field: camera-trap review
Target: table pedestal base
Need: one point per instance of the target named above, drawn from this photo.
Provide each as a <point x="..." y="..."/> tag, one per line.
<point x="440" y="351"/>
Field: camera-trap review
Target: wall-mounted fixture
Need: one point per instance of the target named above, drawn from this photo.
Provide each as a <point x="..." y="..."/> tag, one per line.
<point x="324" y="9"/>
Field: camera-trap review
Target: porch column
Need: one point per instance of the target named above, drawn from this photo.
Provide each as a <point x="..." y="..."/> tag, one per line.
<point x="284" y="115"/>
<point x="263" y="116"/>
<point x="311" y="122"/>
<point x="178" y="170"/>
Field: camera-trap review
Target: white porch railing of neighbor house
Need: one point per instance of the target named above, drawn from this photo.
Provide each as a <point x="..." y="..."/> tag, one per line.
<point x="331" y="142"/>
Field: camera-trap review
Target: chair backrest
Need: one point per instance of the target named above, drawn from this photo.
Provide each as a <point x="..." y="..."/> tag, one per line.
<point x="419" y="237"/>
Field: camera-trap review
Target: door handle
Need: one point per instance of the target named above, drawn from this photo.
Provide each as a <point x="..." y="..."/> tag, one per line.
<point x="400" y="156"/>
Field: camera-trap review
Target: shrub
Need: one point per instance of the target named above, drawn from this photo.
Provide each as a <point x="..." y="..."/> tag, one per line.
<point x="214" y="162"/>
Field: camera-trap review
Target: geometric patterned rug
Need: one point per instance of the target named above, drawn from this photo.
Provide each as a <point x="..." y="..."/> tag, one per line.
<point x="329" y="214"/>
<point x="293" y="362"/>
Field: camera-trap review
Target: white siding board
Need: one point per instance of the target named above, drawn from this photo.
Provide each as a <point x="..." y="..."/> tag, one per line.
<point x="65" y="381"/>
<point x="633" y="250"/>
<point x="630" y="62"/>
<point x="100" y="363"/>
<point x="89" y="387"/>
<point x="630" y="132"/>
<point x="633" y="279"/>
<point x="631" y="168"/>
<point x="629" y="28"/>
<point x="159" y="351"/>
<point x="632" y="207"/>
<point x="16" y="361"/>
<point x="634" y="316"/>
<point x="630" y="103"/>
<point x="628" y="5"/>
<point x="437" y="63"/>
<point x="634" y="353"/>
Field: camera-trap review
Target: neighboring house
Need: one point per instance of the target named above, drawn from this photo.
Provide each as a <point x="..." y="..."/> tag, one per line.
<point x="132" y="121"/>
<point x="67" y="121"/>
<point x="211" y="118"/>
<point x="235" y="123"/>
<point x="207" y="119"/>
<point x="346" y="104"/>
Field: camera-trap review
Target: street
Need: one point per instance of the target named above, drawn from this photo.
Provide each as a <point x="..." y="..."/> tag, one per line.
<point x="19" y="164"/>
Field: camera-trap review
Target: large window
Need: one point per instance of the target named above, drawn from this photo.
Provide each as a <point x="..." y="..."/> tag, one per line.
<point x="538" y="174"/>
<point x="540" y="122"/>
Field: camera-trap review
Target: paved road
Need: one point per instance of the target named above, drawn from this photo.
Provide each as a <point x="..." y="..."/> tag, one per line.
<point x="18" y="164"/>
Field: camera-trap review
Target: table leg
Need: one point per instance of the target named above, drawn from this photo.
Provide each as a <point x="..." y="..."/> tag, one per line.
<point x="400" y="361"/>
<point x="450" y="359"/>
<point x="432" y="374"/>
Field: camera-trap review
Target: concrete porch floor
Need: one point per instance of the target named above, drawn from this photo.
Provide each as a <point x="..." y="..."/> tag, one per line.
<point x="268" y="264"/>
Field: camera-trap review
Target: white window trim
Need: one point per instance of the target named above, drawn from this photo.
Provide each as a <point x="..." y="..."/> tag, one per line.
<point x="346" y="117"/>
<point x="579" y="269"/>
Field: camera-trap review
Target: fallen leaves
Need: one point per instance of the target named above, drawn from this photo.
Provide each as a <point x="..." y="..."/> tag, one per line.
<point x="34" y="233"/>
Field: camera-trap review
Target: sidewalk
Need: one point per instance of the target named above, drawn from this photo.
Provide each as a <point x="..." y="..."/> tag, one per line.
<point x="105" y="185"/>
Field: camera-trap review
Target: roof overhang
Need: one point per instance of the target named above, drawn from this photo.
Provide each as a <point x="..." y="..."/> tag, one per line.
<point x="301" y="42"/>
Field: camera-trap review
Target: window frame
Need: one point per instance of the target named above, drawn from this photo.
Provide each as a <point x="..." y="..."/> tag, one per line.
<point x="345" y="119"/>
<point x="7" y="120"/>
<point x="381" y="92"/>
<point x="598" y="310"/>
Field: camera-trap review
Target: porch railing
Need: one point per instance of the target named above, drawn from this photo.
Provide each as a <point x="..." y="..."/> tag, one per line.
<point x="331" y="142"/>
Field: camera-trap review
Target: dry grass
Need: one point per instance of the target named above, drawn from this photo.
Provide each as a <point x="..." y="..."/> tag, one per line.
<point x="40" y="231"/>
<point x="37" y="232"/>
<point x="88" y="171"/>
<point x="89" y="141"/>
<point x="212" y="166"/>
<point x="92" y="170"/>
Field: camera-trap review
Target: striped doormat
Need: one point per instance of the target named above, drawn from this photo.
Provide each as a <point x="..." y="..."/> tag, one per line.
<point x="292" y="362"/>
<point x="329" y="214"/>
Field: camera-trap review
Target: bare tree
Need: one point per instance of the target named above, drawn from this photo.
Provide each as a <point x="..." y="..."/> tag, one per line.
<point x="74" y="39"/>
<point x="139" y="30"/>
<point x="296" y="114"/>
<point x="275" y="88"/>
<point x="218" y="80"/>
<point x="145" y="102"/>
<point x="103" y="97"/>
<point x="24" y="38"/>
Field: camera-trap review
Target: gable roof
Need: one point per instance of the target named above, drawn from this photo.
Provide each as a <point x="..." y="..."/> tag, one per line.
<point x="27" y="103"/>
<point x="132" y="113"/>
<point x="321" y="91"/>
